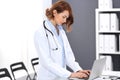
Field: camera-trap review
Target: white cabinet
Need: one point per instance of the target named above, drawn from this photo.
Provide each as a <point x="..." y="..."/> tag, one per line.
<point x="108" y="39"/>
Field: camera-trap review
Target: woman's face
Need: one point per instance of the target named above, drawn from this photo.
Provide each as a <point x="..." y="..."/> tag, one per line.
<point x="60" y="18"/>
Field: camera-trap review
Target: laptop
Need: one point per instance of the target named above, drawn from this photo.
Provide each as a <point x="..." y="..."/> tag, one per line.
<point x="97" y="69"/>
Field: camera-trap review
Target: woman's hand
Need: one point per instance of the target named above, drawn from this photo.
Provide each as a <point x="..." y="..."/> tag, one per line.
<point x="85" y="71"/>
<point x="79" y="75"/>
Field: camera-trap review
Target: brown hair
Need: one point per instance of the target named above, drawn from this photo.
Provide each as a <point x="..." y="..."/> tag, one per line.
<point x="61" y="6"/>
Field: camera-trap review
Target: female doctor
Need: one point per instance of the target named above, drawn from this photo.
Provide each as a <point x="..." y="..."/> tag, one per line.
<point x="53" y="47"/>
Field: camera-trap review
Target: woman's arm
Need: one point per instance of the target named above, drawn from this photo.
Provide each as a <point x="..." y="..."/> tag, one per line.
<point x="70" y="58"/>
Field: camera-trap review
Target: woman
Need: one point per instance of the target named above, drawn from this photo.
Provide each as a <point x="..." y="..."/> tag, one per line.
<point x="53" y="47"/>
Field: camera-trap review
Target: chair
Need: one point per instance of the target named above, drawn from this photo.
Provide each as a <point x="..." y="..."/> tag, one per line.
<point x="4" y="73"/>
<point x="19" y="66"/>
<point x="34" y="62"/>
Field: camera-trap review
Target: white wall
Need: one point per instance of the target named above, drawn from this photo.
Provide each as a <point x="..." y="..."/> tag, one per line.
<point x="46" y="4"/>
<point x="18" y="21"/>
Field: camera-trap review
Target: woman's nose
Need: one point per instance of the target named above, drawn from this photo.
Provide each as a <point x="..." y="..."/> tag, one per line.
<point x="64" y="20"/>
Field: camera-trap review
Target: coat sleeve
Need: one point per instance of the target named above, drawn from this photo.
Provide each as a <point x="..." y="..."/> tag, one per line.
<point x="70" y="58"/>
<point x="42" y="48"/>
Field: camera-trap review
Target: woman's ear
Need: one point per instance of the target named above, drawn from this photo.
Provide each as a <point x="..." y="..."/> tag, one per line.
<point x="54" y="12"/>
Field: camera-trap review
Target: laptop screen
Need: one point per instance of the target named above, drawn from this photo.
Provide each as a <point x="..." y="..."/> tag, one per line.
<point x="97" y="68"/>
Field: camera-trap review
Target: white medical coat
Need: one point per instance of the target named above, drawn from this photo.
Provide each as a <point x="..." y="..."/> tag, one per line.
<point x="49" y="68"/>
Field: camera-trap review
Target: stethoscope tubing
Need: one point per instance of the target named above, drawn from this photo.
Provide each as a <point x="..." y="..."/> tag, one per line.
<point x="51" y="34"/>
<point x="47" y="29"/>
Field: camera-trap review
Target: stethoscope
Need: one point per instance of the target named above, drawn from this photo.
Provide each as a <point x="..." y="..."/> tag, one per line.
<point x="46" y="29"/>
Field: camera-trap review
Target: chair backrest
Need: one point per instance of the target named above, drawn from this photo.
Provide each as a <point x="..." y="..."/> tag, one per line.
<point x="4" y="73"/>
<point x="18" y="66"/>
<point x="34" y="62"/>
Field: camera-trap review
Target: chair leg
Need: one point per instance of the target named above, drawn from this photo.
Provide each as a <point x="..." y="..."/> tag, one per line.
<point x="35" y="77"/>
<point x="28" y="77"/>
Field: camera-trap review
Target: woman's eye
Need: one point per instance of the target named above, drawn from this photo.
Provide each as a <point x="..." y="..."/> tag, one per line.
<point x="64" y="17"/>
